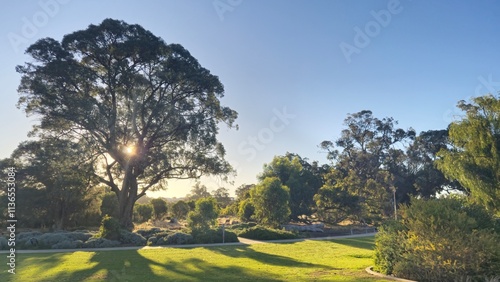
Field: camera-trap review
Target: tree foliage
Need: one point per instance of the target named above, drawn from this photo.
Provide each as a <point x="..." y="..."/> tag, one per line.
<point x="53" y="173"/>
<point x="159" y="208"/>
<point x="364" y="167"/>
<point x="204" y="215"/>
<point x="474" y="159"/>
<point x="302" y="178"/>
<point x="180" y="209"/>
<point x="443" y="239"/>
<point x="147" y="110"/>
<point x="271" y="201"/>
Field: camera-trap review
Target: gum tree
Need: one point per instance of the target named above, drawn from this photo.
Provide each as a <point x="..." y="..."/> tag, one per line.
<point x="148" y="110"/>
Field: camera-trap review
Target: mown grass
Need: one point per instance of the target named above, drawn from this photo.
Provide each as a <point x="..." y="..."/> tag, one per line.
<point x="336" y="260"/>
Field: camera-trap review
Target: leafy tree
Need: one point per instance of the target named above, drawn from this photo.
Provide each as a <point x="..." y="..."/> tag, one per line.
<point x="246" y="210"/>
<point x="198" y="191"/>
<point x="109" y="205"/>
<point x="221" y="195"/>
<point x="143" y="212"/>
<point x="159" y="208"/>
<point x="271" y="201"/>
<point x="300" y="177"/>
<point x="180" y="209"/>
<point x="204" y="214"/>
<point x="427" y="179"/>
<point x="474" y="159"/>
<point x="54" y="172"/>
<point x="365" y="158"/>
<point x="147" y="111"/>
<point x="243" y="191"/>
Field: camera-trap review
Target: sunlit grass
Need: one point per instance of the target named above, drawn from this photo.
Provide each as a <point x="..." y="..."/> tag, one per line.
<point x="337" y="260"/>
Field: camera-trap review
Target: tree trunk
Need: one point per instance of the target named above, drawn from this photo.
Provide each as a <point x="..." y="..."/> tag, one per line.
<point x="126" y="200"/>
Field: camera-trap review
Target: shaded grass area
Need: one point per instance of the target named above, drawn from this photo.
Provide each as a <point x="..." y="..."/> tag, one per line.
<point x="335" y="260"/>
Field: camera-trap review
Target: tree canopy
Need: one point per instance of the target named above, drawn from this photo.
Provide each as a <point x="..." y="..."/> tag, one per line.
<point x="147" y="110"/>
<point x="474" y="159"/>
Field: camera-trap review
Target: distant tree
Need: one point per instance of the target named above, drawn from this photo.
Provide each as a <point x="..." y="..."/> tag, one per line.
<point x="180" y="209"/>
<point x="221" y="195"/>
<point x="159" y="208"/>
<point x="143" y="212"/>
<point x="198" y="191"/>
<point x="109" y="205"/>
<point x="246" y="210"/>
<point x="146" y="110"/>
<point x="271" y="201"/>
<point x="58" y="170"/>
<point x="204" y="214"/>
<point x="474" y="159"/>
<point x="302" y="178"/>
<point x="243" y="191"/>
<point x="428" y="181"/>
<point x="365" y="160"/>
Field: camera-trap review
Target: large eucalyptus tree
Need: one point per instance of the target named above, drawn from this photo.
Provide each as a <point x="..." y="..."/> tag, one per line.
<point x="148" y="110"/>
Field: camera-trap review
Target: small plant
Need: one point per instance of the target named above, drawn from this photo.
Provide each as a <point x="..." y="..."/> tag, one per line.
<point x="263" y="233"/>
<point x="131" y="238"/>
<point x="110" y="228"/>
<point x="100" y="243"/>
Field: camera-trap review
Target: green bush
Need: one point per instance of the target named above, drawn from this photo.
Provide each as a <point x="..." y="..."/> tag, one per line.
<point x="143" y="212"/>
<point x="210" y="236"/>
<point x="146" y="233"/>
<point x="204" y="214"/>
<point x="110" y="228"/>
<point x="100" y="243"/>
<point x="178" y="238"/>
<point x="246" y="209"/>
<point x="68" y="245"/>
<point x="389" y="245"/>
<point x="130" y="238"/>
<point x="241" y="226"/>
<point x="264" y="233"/>
<point x="444" y="239"/>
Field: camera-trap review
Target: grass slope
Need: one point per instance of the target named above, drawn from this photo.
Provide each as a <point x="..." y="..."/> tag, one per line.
<point x="336" y="260"/>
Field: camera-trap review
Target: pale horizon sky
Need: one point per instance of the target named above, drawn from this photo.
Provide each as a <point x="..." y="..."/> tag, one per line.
<point x="292" y="69"/>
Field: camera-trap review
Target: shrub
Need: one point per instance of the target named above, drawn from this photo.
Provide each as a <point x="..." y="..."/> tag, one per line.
<point x="242" y="226"/>
<point x="100" y="243"/>
<point x="146" y="233"/>
<point x="130" y="238"/>
<point x="440" y="240"/>
<point x="263" y="233"/>
<point x="109" y="205"/>
<point x="210" y="236"/>
<point x="204" y="214"/>
<point x="24" y="235"/>
<point x="68" y="245"/>
<point x="246" y="209"/>
<point x="110" y="228"/>
<point x="159" y="208"/>
<point x="180" y="209"/>
<point x="3" y="243"/>
<point x="389" y="246"/>
<point x="47" y="240"/>
<point x="143" y="212"/>
<point x="81" y="236"/>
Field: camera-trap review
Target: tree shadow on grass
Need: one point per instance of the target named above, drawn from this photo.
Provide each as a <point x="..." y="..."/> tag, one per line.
<point x="132" y="266"/>
<point x="246" y="251"/>
<point x="367" y="243"/>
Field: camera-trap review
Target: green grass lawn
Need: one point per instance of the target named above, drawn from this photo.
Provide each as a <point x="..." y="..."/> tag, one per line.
<point x="336" y="260"/>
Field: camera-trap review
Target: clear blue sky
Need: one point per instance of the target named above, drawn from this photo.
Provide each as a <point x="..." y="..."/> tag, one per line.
<point x="316" y="61"/>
